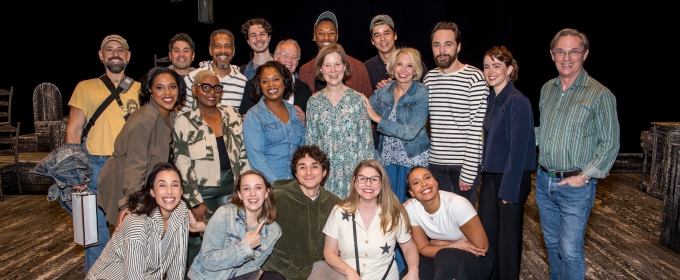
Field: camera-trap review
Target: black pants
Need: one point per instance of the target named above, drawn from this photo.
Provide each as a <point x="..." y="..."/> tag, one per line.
<point x="503" y="223"/>
<point x="456" y="264"/>
<point x="448" y="176"/>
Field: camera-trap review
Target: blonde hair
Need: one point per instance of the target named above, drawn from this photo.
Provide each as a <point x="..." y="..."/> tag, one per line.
<point x="415" y="59"/>
<point x="392" y="211"/>
<point x="202" y="74"/>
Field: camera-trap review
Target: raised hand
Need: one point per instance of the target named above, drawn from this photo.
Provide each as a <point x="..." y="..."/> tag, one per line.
<point x="253" y="237"/>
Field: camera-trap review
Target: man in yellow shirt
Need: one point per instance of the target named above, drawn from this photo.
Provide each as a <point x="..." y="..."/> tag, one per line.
<point x="86" y="99"/>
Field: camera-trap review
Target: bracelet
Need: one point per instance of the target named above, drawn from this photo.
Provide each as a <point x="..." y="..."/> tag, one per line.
<point x="585" y="178"/>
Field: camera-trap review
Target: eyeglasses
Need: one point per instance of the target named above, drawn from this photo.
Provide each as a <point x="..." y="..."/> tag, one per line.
<point x="207" y="87"/>
<point x="374" y="180"/>
<point x="561" y="53"/>
<point x="288" y="56"/>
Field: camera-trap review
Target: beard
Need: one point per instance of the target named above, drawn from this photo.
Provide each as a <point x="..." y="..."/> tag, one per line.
<point x="446" y="63"/>
<point x="222" y="66"/>
<point x="115" y="67"/>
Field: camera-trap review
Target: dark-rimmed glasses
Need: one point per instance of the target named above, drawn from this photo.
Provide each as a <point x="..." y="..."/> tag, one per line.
<point x="374" y="180"/>
<point x="207" y="87"/>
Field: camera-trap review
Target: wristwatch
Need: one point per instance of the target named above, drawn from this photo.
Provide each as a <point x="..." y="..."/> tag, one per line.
<point x="585" y="178"/>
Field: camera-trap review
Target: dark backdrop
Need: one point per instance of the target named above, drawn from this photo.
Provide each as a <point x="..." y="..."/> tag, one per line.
<point x="57" y="41"/>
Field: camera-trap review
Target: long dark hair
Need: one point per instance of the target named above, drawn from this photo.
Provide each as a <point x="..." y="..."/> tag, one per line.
<point x="141" y="202"/>
<point x="147" y="83"/>
<point x="285" y="74"/>
<point x="268" y="207"/>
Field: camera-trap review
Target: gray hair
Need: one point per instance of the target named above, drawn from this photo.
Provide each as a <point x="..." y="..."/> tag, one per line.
<point x="571" y="32"/>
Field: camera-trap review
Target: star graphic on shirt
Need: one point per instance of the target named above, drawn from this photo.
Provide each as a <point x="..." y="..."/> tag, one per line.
<point x="345" y="216"/>
<point x="385" y="249"/>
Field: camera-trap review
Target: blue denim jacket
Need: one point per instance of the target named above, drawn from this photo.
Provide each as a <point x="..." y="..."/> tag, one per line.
<point x="412" y="111"/>
<point x="225" y="252"/>
<point x="67" y="166"/>
<point x="270" y="143"/>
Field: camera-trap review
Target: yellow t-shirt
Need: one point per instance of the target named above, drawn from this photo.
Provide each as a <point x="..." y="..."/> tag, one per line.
<point x="87" y="96"/>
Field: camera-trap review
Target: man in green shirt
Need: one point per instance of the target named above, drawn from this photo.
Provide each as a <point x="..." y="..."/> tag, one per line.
<point x="578" y="140"/>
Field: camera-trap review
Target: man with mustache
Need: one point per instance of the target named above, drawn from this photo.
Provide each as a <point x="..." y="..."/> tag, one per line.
<point x="457" y="106"/>
<point x="222" y="49"/>
<point x="86" y="99"/>
<point x="326" y="33"/>
<point x="258" y="32"/>
<point x="181" y="52"/>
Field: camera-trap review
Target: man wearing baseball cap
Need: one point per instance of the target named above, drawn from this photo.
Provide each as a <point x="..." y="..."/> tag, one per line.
<point x="87" y="98"/>
<point x="383" y="37"/>
<point x="326" y="33"/>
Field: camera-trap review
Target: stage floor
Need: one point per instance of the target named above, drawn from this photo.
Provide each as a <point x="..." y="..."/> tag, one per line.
<point x="622" y="240"/>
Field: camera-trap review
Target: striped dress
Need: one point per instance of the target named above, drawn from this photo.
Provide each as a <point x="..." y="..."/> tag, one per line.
<point x="136" y="252"/>
<point x="457" y="107"/>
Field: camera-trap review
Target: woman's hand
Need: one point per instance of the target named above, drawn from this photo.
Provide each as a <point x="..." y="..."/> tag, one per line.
<point x="369" y="109"/>
<point x="465" y="245"/>
<point x="352" y="274"/>
<point x="121" y="216"/>
<point x="253" y="237"/>
<point x="411" y="275"/>
<point x="195" y="226"/>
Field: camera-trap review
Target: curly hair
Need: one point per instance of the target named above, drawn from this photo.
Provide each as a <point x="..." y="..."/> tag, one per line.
<point x="256" y="21"/>
<point x="285" y="74"/>
<point x="148" y="80"/>
<point x="268" y="207"/>
<point x="502" y="54"/>
<point x="314" y="152"/>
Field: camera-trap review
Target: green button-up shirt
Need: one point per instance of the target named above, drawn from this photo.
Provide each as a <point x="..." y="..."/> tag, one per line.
<point x="579" y="127"/>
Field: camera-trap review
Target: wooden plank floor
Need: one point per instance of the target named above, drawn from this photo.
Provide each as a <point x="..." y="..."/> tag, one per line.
<point x="622" y="240"/>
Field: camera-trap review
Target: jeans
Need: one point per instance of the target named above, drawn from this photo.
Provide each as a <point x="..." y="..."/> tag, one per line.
<point x="92" y="252"/>
<point x="397" y="175"/>
<point x="448" y="177"/>
<point x="564" y="212"/>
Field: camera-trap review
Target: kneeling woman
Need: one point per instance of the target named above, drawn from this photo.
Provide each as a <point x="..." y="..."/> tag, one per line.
<point x="240" y="235"/>
<point x="458" y="247"/>
<point x="363" y="230"/>
<point x="151" y="242"/>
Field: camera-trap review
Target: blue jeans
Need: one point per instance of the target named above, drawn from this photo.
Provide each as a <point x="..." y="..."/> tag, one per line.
<point x="564" y="212"/>
<point x="92" y="252"/>
<point x="397" y="175"/>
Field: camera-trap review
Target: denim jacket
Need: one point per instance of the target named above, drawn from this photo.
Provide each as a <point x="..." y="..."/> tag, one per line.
<point x="67" y="166"/>
<point x="412" y="111"/>
<point x="225" y="253"/>
<point x="270" y="143"/>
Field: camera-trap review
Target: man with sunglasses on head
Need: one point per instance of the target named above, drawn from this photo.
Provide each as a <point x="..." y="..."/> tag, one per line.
<point x="578" y="140"/>
<point x="222" y="49"/>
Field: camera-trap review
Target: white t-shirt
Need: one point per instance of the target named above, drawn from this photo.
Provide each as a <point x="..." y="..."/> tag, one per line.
<point x="376" y="250"/>
<point x="454" y="211"/>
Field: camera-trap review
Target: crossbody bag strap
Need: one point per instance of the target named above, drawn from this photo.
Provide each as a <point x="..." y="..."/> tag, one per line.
<point x="124" y="85"/>
<point x="356" y="248"/>
<point x="388" y="269"/>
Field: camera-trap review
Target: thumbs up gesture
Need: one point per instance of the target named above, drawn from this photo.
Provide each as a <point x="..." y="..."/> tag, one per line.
<point x="253" y="237"/>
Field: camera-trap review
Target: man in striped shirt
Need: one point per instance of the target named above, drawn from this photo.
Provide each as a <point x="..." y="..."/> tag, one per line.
<point x="222" y="49"/>
<point x="578" y="140"/>
<point x="457" y="106"/>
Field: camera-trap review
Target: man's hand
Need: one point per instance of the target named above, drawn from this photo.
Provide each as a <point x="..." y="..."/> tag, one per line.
<point x="300" y="114"/>
<point x="573" y="181"/>
<point x="195" y="226"/>
<point x="382" y="84"/>
<point x="199" y="212"/>
<point x="121" y="216"/>
<point x="464" y="187"/>
<point x="253" y="237"/>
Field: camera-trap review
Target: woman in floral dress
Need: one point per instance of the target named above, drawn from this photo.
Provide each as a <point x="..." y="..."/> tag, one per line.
<point x="337" y="121"/>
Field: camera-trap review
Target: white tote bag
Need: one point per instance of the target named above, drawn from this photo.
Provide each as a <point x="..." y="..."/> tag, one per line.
<point x="85" y="218"/>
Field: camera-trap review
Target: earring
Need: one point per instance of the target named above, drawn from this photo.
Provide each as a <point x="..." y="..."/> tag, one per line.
<point x="507" y="78"/>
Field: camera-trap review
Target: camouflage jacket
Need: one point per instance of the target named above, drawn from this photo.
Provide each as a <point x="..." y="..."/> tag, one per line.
<point x="196" y="150"/>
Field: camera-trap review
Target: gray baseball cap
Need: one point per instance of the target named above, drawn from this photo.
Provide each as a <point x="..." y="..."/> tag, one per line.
<point x="329" y="16"/>
<point x="380" y="20"/>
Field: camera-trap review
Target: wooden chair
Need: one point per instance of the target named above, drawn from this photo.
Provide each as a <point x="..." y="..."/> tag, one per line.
<point x="6" y="106"/>
<point x="9" y="135"/>
<point x="156" y="60"/>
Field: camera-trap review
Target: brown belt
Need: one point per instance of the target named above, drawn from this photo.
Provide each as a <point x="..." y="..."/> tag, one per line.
<point x="560" y="174"/>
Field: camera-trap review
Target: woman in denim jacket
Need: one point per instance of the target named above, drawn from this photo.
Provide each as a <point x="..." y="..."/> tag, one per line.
<point x="400" y="109"/>
<point x="272" y="130"/>
<point x="240" y="235"/>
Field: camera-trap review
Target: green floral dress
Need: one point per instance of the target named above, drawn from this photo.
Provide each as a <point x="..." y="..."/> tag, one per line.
<point x="342" y="131"/>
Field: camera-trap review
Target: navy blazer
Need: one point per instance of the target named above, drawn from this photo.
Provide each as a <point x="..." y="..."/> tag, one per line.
<point x="509" y="139"/>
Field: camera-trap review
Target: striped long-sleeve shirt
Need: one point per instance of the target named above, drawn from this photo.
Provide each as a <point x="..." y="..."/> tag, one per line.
<point x="579" y="127"/>
<point x="136" y="251"/>
<point x="233" y="84"/>
<point x="457" y="107"/>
